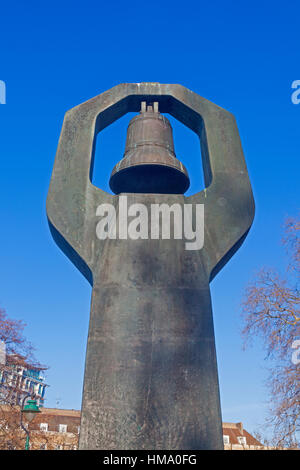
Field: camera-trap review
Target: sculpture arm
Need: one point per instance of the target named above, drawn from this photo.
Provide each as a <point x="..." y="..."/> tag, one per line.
<point x="228" y="199"/>
<point x="72" y="199"/>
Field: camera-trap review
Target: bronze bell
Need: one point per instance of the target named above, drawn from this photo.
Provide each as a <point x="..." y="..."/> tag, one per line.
<point x="149" y="164"/>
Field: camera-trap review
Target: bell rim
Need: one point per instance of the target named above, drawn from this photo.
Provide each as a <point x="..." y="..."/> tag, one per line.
<point x="181" y="176"/>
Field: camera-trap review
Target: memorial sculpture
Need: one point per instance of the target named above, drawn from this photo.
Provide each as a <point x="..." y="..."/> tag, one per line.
<point x="151" y="378"/>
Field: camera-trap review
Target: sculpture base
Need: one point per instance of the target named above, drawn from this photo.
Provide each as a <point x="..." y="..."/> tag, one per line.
<point x="151" y="374"/>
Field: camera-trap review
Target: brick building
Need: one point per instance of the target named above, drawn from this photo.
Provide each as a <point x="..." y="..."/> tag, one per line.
<point x="18" y="379"/>
<point x="235" y="437"/>
<point x="65" y="425"/>
<point x="57" y="429"/>
<point x="61" y="428"/>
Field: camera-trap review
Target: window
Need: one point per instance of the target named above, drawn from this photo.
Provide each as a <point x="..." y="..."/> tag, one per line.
<point x="43" y="447"/>
<point x="44" y="427"/>
<point x="226" y="440"/>
<point x="58" y="447"/>
<point x="62" y="428"/>
<point x="78" y="429"/>
<point x="242" y="440"/>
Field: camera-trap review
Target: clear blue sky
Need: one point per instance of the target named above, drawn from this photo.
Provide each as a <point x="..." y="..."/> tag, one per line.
<point x="243" y="56"/>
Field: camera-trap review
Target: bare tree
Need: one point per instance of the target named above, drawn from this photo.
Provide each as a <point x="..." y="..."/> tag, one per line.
<point x="12" y="437"/>
<point x="19" y="356"/>
<point x="271" y="310"/>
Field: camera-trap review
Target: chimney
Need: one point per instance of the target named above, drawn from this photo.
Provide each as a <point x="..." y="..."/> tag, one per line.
<point x="240" y="428"/>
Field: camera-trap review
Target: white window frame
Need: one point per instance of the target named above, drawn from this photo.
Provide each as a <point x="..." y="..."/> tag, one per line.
<point x="242" y="440"/>
<point x="44" y="427"/>
<point x="226" y="439"/>
<point x="62" y="428"/>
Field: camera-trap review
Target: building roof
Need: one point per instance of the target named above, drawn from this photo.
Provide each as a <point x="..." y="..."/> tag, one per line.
<point x="235" y="430"/>
<point x="60" y="412"/>
<point x="19" y="360"/>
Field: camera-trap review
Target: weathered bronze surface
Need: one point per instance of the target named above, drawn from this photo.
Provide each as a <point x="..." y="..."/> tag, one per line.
<point x="151" y="377"/>
<point x="149" y="164"/>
